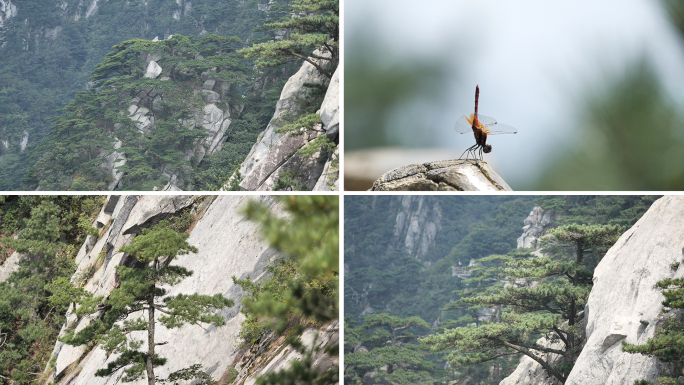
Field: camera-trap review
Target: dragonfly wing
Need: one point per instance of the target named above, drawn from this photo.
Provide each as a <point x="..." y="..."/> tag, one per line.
<point x="497" y="129"/>
<point x="464" y="125"/>
<point x="486" y="120"/>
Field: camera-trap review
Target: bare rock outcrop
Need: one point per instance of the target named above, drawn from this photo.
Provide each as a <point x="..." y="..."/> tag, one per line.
<point x="228" y="246"/>
<point x="624" y="305"/>
<point x="444" y="175"/>
<point x="275" y="154"/>
<point x="417" y="224"/>
<point x="536" y="225"/>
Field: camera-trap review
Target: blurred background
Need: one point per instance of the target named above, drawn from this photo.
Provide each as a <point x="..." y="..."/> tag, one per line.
<point x="595" y="89"/>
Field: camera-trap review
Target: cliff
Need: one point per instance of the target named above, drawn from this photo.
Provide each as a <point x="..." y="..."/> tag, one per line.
<point x="623" y="304"/>
<point x="228" y="245"/>
<point x="642" y="256"/>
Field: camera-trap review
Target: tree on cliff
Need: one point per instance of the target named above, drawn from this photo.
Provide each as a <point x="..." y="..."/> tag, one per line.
<point x="140" y="293"/>
<point x="306" y="25"/>
<point x="387" y="342"/>
<point x="667" y="344"/>
<point x="545" y="296"/>
<point x="305" y="290"/>
<point x="52" y="229"/>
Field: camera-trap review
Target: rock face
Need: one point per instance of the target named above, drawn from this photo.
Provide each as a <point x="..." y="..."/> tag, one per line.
<point x="536" y="225"/>
<point x="275" y="153"/>
<point x="641" y="257"/>
<point x="417" y="223"/>
<point x="445" y="175"/>
<point x="7" y="11"/>
<point x="228" y="246"/>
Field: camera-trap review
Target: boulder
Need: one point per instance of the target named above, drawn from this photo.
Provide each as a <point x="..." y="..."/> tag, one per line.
<point x="153" y="70"/>
<point x="209" y="84"/>
<point x="211" y="96"/>
<point x="445" y="175"/>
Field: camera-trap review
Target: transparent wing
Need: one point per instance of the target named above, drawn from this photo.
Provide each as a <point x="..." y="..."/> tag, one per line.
<point x="487" y="124"/>
<point x="496" y="129"/>
<point x="464" y="124"/>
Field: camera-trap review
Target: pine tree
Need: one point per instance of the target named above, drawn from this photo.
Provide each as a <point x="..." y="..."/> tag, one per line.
<point x="140" y="291"/>
<point x="668" y="342"/>
<point x="388" y="342"/>
<point x="544" y="296"/>
<point x="308" y="24"/>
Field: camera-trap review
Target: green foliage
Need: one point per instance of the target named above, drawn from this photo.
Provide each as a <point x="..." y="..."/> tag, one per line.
<point x="623" y="160"/>
<point x="39" y="75"/>
<point x="668" y="342"/>
<point x="155" y="249"/>
<point x="389" y="342"/>
<point x="308" y="24"/>
<point x="304" y="286"/>
<point x="505" y="297"/>
<point x="35" y="297"/>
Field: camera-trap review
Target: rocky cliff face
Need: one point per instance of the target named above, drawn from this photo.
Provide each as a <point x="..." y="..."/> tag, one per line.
<point x="623" y="305"/>
<point x="275" y="153"/>
<point x="228" y="246"/>
<point x="417" y="223"/>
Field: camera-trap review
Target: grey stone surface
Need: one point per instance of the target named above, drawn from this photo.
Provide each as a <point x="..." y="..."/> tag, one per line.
<point x="330" y="107"/>
<point x="9" y="266"/>
<point x="228" y="245"/>
<point x="445" y="175"/>
<point x="281" y="151"/>
<point x="211" y="96"/>
<point x="641" y="257"/>
<point x="329" y="179"/>
<point x="209" y="84"/>
<point x="417" y="224"/>
<point x="293" y="89"/>
<point x="153" y="70"/>
<point x="536" y="225"/>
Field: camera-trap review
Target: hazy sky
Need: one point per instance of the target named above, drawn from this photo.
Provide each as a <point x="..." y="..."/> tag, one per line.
<point x="533" y="59"/>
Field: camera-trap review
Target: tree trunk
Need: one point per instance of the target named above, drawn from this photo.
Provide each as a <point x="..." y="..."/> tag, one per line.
<point x="150" y="339"/>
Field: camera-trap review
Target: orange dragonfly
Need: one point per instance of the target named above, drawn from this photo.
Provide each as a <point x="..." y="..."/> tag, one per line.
<point x="481" y="126"/>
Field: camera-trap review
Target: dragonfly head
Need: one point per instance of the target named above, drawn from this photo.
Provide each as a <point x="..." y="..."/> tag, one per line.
<point x="487" y="148"/>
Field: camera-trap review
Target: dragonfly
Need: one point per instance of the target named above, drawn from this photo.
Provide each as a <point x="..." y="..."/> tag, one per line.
<point x="481" y="126"/>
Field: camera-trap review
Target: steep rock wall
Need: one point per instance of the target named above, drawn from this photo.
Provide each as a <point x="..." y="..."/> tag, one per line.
<point x="624" y="305"/>
<point x="275" y="152"/>
<point x="417" y="223"/>
<point x="228" y="246"/>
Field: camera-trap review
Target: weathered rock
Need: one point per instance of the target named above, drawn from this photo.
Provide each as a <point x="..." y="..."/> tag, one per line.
<point x="281" y="151"/>
<point x="330" y="108"/>
<point x="211" y="96"/>
<point x="329" y="179"/>
<point x="113" y="160"/>
<point x="640" y="258"/>
<point x="417" y="224"/>
<point x="24" y="140"/>
<point x="293" y="89"/>
<point x="7" y="11"/>
<point x="153" y="70"/>
<point x="9" y="266"/>
<point x="445" y="175"/>
<point x="209" y="84"/>
<point x="536" y="225"/>
<point x="228" y="246"/>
